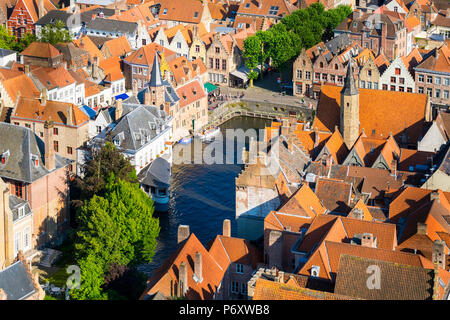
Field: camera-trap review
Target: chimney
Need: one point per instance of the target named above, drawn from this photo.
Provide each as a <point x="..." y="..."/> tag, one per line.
<point x="182" y="280"/>
<point x="368" y="240"/>
<point x="119" y="109"/>
<point x="226" y="228"/>
<point x="49" y="148"/>
<point x="3" y="295"/>
<point x="195" y="32"/>
<point x="183" y="233"/>
<point x="434" y="196"/>
<point x="198" y="267"/>
<point x="383" y="37"/>
<point x="41" y="8"/>
<point x="357" y="214"/>
<point x="134" y="88"/>
<point x="69" y="116"/>
<point x="44" y="96"/>
<point x="422" y="228"/>
<point x="328" y="164"/>
<point x="438" y="254"/>
<point x="95" y="68"/>
<point x="27" y="69"/>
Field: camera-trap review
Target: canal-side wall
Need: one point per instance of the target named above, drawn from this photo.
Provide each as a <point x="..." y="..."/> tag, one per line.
<point x="259" y="109"/>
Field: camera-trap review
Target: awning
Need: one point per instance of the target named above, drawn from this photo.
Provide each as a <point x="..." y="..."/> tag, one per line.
<point x="242" y="72"/>
<point x="122" y="96"/>
<point x="209" y="87"/>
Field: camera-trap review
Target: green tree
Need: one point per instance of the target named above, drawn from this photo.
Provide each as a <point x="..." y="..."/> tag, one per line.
<point x="55" y="33"/>
<point x="24" y="42"/>
<point x="116" y="228"/>
<point x="7" y="39"/>
<point x="98" y="166"/>
<point x="252" y="55"/>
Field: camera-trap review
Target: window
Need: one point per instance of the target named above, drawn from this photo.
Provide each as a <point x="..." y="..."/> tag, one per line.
<point x="55" y="145"/>
<point x="217" y="50"/>
<point x="308" y="75"/>
<point x="397" y="71"/>
<point x="375" y="85"/>
<point x="161" y="43"/>
<point x="298" y="88"/>
<point x="437" y="80"/>
<point x="178" y="45"/>
<point x="17" y="237"/>
<point x="217" y="64"/>
<point x="369" y="85"/>
<point x="196" y="14"/>
<point x="363" y="84"/>
<point x="430" y="92"/>
<point x="437" y="93"/>
<point x="211" y="63"/>
<point x="385" y="87"/>
<point x="21" y="212"/>
<point x="165" y="11"/>
<point x="402" y="80"/>
<point x="244" y="288"/>
<point x="401" y="89"/>
<point x="98" y="129"/>
<point x="369" y="73"/>
<point x="429" y="79"/>
<point x="234" y="287"/>
<point x="392" y="88"/>
<point x="18" y="190"/>
<point x="224" y="64"/>
<point x="409" y="89"/>
<point x="393" y="79"/>
<point x="273" y="10"/>
<point x="247" y="5"/>
<point x="324" y="76"/>
<point x="26" y="239"/>
<point x="447" y="80"/>
<point x="446" y="94"/>
<point x="317" y="76"/>
<point x="69" y="150"/>
<point x="299" y="74"/>
<point x="197" y="48"/>
<point x="420" y="89"/>
<point x="239" y="268"/>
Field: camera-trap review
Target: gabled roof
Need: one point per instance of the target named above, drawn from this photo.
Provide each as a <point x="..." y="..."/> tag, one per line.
<point x="41" y="50"/>
<point x="118" y="46"/>
<point x="398" y="281"/>
<point x="437" y="60"/>
<point x="59" y="112"/>
<point x="16" y="282"/>
<point x="270" y="8"/>
<point x="22" y="143"/>
<point x="336" y="147"/>
<point x="276" y="220"/>
<point x="361" y="206"/>
<point x="304" y="202"/>
<point x="145" y="55"/>
<point x="51" y="78"/>
<point x="335" y="194"/>
<point x="32" y="7"/>
<point x="20" y="85"/>
<point x="187" y="11"/>
<point x="190" y="92"/>
<point x="86" y="43"/>
<point x="168" y="273"/>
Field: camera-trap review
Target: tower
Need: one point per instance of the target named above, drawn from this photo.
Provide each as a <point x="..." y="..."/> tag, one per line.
<point x="349" y="122"/>
<point x="155" y="93"/>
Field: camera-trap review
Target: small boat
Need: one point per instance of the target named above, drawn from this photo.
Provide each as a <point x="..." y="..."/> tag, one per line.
<point x="208" y="134"/>
<point x="155" y="182"/>
<point x="185" y="140"/>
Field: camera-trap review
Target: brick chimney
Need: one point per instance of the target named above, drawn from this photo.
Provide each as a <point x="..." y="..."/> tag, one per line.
<point x="44" y="96"/>
<point x="438" y="253"/>
<point x="422" y="228"/>
<point x="49" y="148"/>
<point x="383" y="38"/>
<point x="27" y="69"/>
<point x="119" y="109"/>
<point x="183" y="233"/>
<point x="95" y="68"/>
<point x="316" y="137"/>
<point x="198" y="267"/>
<point x="226" y="228"/>
<point x="182" y="280"/>
<point x="368" y="240"/>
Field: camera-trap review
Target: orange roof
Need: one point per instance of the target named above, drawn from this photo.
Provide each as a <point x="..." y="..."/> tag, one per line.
<point x="236" y="250"/>
<point x="59" y="112"/>
<point x="364" y="55"/>
<point x="41" y="50"/>
<point x="187" y="11"/>
<point x="337" y="147"/>
<point x="439" y="60"/>
<point x="411" y="22"/>
<point x="87" y="44"/>
<point x="303" y="202"/>
<point x="10" y="73"/>
<point x="412" y="59"/>
<point x="381" y="61"/>
<point x="118" y="46"/>
<point x="271" y="290"/>
<point x="375" y="112"/>
<point x="390" y="152"/>
<point x="190" y="92"/>
<point x="32" y="7"/>
<point x="111" y="67"/>
<point x="53" y="77"/>
<point x="145" y="55"/>
<point x="285" y="221"/>
<point x="21" y="85"/>
<point x="139" y="14"/>
<point x="168" y="273"/>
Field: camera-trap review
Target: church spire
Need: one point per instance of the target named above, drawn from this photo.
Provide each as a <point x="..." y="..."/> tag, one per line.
<point x="155" y="76"/>
<point x="350" y="88"/>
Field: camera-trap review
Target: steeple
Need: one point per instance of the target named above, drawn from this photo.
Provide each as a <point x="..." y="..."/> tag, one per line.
<point x="350" y="87"/>
<point x="155" y="76"/>
<point x="349" y="124"/>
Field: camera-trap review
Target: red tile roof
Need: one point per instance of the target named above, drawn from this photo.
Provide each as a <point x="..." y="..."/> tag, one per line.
<point x="190" y="92"/>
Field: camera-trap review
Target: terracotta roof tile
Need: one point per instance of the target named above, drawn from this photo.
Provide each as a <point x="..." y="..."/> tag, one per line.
<point x="335" y="194"/>
<point x="190" y="92"/>
<point x="22" y="85"/>
<point x="41" y="50"/>
<point x="304" y="202"/>
<point x="117" y="47"/>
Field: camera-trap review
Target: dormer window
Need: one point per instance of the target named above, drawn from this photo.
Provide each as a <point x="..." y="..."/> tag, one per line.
<point x="4" y="157"/>
<point x="21" y="212"/>
<point x="196" y="14"/>
<point x="247" y="5"/>
<point x="165" y="11"/>
<point x="315" y="271"/>
<point x="35" y="160"/>
<point x="355" y="24"/>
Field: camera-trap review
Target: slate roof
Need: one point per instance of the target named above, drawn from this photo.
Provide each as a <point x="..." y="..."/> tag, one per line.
<point x="398" y="281"/>
<point x="138" y="127"/>
<point x="338" y="43"/>
<point x="157" y="174"/>
<point x="116" y="26"/>
<point x="16" y="282"/>
<point x="22" y="143"/>
<point x="5" y="52"/>
<point x="15" y="203"/>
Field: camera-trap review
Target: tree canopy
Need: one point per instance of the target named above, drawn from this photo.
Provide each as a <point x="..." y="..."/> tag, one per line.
<point x="116" y="229"/>
<point x="9" y="41"/>
<point x="303" y="28"/>
<point x="55" y="33"/>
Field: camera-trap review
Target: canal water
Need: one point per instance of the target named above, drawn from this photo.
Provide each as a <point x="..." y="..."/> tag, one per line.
<point x="201" y="196"/>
